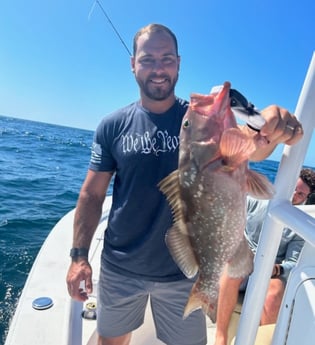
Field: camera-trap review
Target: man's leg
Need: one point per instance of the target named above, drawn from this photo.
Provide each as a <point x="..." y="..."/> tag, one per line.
<point x="228" y="295"/>
<point x="168" y="300"/>
<point x="273" y="301"/>
<point x="121" y="303"/>
<point x="122" y="340"/>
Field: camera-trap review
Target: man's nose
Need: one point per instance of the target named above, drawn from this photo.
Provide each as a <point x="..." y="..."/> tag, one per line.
<point x="158" y="65"/>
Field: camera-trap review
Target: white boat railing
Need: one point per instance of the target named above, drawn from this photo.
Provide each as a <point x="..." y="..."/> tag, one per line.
<point x="281" y="213"/>
<point x="75" y="323"/>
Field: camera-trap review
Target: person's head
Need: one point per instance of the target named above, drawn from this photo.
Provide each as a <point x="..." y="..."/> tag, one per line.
<point x="155" y="63"/>
<point x="305" y="186"/>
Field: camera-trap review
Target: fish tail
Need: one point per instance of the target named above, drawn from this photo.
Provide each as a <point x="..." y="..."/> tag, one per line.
<point x="201" y="299"/>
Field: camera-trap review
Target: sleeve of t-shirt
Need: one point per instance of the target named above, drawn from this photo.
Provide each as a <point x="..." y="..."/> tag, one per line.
<point x="101" y="151"/>
<point x="292" y="254"/>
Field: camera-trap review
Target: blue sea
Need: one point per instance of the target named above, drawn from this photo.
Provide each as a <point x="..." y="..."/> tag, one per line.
<point x="42" y="168"/>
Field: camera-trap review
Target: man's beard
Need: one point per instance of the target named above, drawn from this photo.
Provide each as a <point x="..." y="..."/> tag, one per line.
<point x="155" y="92"/>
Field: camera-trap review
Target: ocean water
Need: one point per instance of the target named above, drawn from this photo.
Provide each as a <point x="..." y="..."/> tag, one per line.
<point x="42" y="168"/>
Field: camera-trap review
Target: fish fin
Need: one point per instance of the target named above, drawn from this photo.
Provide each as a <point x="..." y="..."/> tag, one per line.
<point x="177" y="238"/>
<point x="180" y="248"/>
<point x="169" y="186"/>
<point x="241" y="264"/>
<point x="259" y="186"/>
<point x="200" y="299"/>
<point x="236" y="147"/>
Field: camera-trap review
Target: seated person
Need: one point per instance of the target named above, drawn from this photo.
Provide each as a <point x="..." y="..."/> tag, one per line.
<point x="288" y="252"/>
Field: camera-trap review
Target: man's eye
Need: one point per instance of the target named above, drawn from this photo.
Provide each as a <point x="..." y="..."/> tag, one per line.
<point x="168" y="61"/>
<point x="147" y="61"/>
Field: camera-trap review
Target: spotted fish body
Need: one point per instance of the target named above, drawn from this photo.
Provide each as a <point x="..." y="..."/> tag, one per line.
<point x="207" y="195"/>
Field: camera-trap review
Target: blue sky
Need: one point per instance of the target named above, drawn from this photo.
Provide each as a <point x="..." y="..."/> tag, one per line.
<point x="59" y="66"/>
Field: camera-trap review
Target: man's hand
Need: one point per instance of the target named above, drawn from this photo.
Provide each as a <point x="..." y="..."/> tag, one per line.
<point x="281" y="126"/>
<point x="80" y="271"/>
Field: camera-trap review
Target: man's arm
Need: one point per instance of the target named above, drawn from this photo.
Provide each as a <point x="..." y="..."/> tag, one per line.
<point x="86" y="219"/>
<point x="89" y="207"/>
<point x="292" y="254"/>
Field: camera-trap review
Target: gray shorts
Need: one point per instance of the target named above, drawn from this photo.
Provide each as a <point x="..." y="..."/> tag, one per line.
<point x="122" y="301"/>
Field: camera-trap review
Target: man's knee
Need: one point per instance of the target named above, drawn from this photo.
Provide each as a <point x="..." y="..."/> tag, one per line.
<point x="274" y="296"/>
<point x="121" y="340"/>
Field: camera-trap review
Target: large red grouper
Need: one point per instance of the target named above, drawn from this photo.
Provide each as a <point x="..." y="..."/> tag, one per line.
<point x="207" y="195"/>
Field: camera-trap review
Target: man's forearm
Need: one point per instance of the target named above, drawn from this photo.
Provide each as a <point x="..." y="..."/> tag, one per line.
<point x="86" y="219"/>
<point x="264" y="148"/>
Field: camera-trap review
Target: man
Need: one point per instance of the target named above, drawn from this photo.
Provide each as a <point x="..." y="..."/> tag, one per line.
<point x="288" y="253"/>
<point x="139" y="143"/>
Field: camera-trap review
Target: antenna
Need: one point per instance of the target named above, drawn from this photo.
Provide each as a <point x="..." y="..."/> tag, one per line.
<point x="110" y="22"/>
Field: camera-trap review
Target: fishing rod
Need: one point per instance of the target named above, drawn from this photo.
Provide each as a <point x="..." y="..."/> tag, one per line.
<point x="110" y="22"/>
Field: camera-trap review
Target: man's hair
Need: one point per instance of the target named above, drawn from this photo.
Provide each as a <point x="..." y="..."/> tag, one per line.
<point x="153" y="28"/>
<point x="308" y="176"/>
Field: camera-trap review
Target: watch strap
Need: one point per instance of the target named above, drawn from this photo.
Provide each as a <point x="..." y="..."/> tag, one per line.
<point x="77" y="252"/>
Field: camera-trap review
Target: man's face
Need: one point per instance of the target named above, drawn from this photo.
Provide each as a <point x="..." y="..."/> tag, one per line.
<point x="156" y="65"/>
<point x="302" y="190"/>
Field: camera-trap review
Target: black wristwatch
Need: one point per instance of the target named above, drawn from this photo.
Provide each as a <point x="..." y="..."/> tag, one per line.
<point x="79" y="252"/>
<point x="281" y="271"/>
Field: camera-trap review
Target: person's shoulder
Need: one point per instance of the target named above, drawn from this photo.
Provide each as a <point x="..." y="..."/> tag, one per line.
<point x="254" y="204"/>
<point x="120" y="112"/>
<point x="117" y="116"/>
<point x="183" y="103"/>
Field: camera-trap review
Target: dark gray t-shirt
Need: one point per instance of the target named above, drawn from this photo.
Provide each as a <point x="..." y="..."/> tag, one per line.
<point x="141" y="148"/>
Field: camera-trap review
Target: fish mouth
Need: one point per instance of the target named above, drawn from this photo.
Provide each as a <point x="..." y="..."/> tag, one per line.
<point x="213" y="103"/>
<point x="224" y="95"/>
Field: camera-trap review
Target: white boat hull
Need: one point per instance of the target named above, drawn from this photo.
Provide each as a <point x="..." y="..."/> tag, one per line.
<point x="62" y="323"/>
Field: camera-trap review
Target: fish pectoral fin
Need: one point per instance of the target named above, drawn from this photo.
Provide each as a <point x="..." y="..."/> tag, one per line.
<point x="179" y="245"/>
<point x="236" y="147"/>
<point x="259" y="186"/>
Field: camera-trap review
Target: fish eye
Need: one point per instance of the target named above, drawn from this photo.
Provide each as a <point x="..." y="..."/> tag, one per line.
<point x="186" y="123"/>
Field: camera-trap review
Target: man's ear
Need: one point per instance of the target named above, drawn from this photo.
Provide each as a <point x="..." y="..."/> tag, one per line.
<point x="132" y="62"/>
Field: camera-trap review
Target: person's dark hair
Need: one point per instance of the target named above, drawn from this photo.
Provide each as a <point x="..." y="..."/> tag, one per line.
<point x="311" y="199"/>
<point x="153" y="28"/>
<point x="308" y="176"/>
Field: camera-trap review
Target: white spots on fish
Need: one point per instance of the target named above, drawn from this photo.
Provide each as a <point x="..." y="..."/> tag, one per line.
<point x="193" y="176"/>
<point x="189" y="177"/>
<point x="199" y="193"/>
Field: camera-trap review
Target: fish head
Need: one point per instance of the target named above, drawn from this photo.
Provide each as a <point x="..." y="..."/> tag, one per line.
<point x="207" y="117"/>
